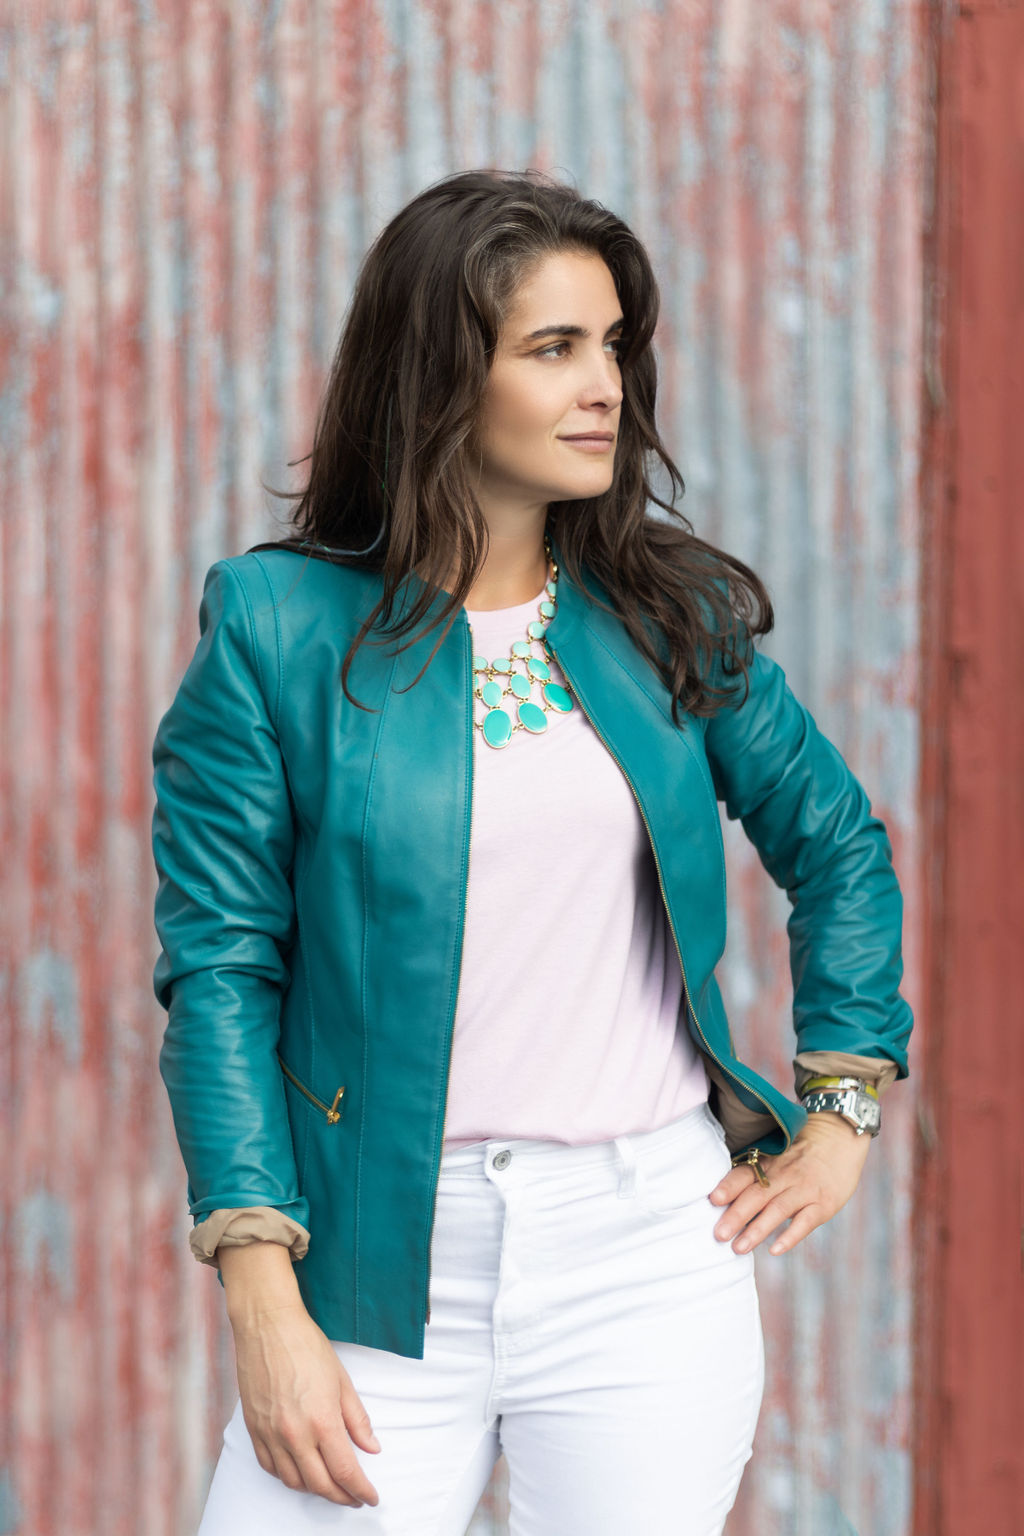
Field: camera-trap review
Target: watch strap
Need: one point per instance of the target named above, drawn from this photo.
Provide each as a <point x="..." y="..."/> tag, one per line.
<point x="842" y="1096"/>
<point x="813" y="1084"/>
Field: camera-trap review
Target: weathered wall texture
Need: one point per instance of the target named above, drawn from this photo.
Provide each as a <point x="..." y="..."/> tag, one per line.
<point x="969" y="1173"/>
<point x="185" y="194"/>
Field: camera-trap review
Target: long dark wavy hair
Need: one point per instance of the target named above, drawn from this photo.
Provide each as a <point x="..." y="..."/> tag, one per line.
<point x="389" y="488"/>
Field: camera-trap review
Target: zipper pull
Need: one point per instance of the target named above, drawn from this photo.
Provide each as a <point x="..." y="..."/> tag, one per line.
<point x="753" y="1158"/>
<point x="334" y="1114"/>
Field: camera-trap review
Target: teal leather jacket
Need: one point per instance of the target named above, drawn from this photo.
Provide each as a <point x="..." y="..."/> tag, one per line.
<point x="312" y="860"/>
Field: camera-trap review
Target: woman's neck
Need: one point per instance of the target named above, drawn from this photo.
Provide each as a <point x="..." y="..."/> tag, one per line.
<point x="513" y="572"/>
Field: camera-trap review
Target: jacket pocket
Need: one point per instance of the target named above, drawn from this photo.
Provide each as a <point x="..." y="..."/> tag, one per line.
<point x="332" y="1110"/>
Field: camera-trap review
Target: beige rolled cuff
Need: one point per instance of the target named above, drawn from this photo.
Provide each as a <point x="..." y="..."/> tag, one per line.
<point x="247" y="1224"/>
<point x="877" y="1070"/>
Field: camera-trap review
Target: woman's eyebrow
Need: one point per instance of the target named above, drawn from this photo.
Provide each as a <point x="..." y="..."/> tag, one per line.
<point x="570" y="330"/>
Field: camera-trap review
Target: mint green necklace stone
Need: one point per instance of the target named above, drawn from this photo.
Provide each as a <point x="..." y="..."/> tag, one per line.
<point x="548" y="610"/>
<point x="558" y="697"/>
<point x="536" y="629"/>
<point x="497" y="728"/>
<point x="520" y="648"/>
<point x="521" y="686"/>
<point x="492" y="694"/>
<point x="532" y="717"/>
<point x="538" y="668"/>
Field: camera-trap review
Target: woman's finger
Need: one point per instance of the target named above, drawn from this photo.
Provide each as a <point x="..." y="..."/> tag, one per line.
<point x="743" y="1207"/>
<point x="263" y="1455"/>
<point x="802" y="1224"/>
<point x="319" y="1477"/>
<point x="785" y="1205"/>
<point x="342" y="1464"/>
<point x="737" y="1181"/>
<point x="357" y="1420"/>
<point x="284" y="1466"/>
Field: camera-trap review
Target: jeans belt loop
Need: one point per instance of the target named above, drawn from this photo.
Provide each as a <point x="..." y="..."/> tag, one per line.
<point x="629" y="1169"/>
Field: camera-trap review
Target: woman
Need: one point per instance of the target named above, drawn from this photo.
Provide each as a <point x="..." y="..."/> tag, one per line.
<point x="441" y="897"/>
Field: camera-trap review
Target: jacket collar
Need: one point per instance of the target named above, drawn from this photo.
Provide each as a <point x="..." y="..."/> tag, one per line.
<point x="580" y="617"/>
<point x="574" y="602"/>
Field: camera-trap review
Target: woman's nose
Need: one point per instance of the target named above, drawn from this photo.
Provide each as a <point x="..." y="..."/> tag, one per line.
<point x="606" y="386"/>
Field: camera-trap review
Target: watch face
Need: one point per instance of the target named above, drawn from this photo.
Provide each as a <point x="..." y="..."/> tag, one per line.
<point x="867" y="1110"/>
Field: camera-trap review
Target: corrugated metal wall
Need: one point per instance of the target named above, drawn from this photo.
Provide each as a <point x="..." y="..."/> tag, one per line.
<point x="185" y="194"/>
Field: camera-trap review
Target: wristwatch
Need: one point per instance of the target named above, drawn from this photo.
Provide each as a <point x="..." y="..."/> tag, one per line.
<point x="851" y="1097"/>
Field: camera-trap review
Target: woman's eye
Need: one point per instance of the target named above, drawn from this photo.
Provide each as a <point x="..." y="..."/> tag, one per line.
<point x="558" y="345"/>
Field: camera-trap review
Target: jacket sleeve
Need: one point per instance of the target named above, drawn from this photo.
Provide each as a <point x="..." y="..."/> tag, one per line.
<point x="811" y="822"/>
<point x="223" y="842"/>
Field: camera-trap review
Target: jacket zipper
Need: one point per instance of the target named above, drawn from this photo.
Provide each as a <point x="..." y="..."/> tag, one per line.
<point x="330" y="1110"/>
<point x="748" y="1156"/>
<point x="458" y="945"/>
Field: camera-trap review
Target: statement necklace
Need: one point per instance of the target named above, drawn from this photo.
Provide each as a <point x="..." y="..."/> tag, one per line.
<point x="494" y="681"/>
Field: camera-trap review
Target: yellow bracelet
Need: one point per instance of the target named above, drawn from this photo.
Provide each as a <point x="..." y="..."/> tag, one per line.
<point x="834" y="1082"/>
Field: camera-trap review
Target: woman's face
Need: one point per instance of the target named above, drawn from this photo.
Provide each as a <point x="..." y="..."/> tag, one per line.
<point x="555" y="376"/>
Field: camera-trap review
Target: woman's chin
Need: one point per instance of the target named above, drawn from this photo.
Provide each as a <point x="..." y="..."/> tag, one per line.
<point x="583" y="488"/>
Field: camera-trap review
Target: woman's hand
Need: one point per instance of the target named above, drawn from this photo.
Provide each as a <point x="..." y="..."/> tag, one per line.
<point x="808" y="1183"/>
<point x="300" y="1407"/>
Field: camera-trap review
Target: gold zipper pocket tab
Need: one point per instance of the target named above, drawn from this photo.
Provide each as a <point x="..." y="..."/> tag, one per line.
<point x="332" y="1111"/>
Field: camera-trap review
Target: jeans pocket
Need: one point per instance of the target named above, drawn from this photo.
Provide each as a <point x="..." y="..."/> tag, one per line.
<point x="716" y="1125"/>
<point x="669" y="1189"/>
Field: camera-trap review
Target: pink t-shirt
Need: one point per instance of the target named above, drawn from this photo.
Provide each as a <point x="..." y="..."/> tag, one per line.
<point x="570" y="990"/>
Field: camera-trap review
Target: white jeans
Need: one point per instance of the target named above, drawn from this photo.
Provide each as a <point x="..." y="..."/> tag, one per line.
<point x="586" y="1322"/>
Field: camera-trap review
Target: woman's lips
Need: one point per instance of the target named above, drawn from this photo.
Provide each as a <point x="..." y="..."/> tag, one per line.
<point x="590" y="444"/>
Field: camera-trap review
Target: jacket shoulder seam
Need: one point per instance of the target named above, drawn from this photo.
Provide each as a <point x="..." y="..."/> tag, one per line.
<point x="250" y="622"/>
<point x="278" y="642"/>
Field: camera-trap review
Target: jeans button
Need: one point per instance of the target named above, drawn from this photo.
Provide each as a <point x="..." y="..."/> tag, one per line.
<point x="501" y="1159"/>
